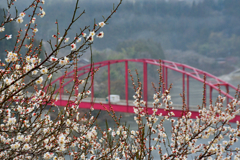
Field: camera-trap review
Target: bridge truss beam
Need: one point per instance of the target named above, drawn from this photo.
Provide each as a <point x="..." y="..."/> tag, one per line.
<point x="186" y="71"/>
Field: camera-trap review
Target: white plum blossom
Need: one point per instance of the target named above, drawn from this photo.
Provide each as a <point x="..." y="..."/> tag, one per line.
<point x="44" y="70"/>
<point x="22" y="14"/>
<point x="35" y="30"/>
<point x="34" y="72"/>
<point x="28" y="67"/>
<point x="8" y="81"/>
<point x="39" y="80"/>
<point x="33" y="20"/>
<point x="90" y="38"/>
<point x="66" y="40"/>
<point x="15" y="146"/>
<point x="20" y="137"/>
<point x="101" y="24"/>
<point x="88" y="92"/>
<point x="19" y="20"/>
<point x="61" y="140"/>
<point x="11" y="121"/>
<point x="9" y="37"/>
<point x="26" y="147"/>
<point x="64" y="61"/>
<point x="73" y="47"/>
<point x="68" y="122"/>
<point x="2" y="29"/>
<point x="53" y="59"/>
<point x="84" y="34"/>
<point x="42" y="14"/>
<point x="48" y="155"/>
<point x="83" y="156"/>
<point x="59" y="39"/>
<point x="28" y="59"/>
<point x="92" y="33"/>
<point x="79" y="39"/>
<point x="17" y="66"/>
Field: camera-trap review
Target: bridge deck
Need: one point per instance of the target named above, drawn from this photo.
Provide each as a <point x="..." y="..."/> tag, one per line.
<point x="102" y="104"/>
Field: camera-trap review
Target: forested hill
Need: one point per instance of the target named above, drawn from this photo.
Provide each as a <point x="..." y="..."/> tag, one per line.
<point x="210" y="27"/>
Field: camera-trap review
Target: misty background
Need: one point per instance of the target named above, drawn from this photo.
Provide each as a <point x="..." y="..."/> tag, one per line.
<point x="204" y="34"/>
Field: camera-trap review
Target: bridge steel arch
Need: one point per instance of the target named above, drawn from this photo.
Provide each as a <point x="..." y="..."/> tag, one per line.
<point x="187" y="71"/>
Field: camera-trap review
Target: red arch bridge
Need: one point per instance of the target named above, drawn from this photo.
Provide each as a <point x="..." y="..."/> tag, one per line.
<point x="125" y="105"/>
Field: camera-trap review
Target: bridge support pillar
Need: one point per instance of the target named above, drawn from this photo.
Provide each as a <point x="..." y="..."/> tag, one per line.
<point x="205" y="91"/>
<point x="60" y="90"/>
<point x="210" y="94"/>
<point x="188" y="96"/>
<point x="109" y="89"/>
<point x="227" y="90"/>
<point x="183" y="80"/>
<point x="145" y="98"/>
<point x="163" y="76"/>
<point x="126" y="82"/>
<point x="92" y="86"/>
<point x="166" y="77"/>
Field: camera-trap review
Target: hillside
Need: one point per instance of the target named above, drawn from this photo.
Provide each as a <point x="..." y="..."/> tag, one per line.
<point x="209" y="28"/>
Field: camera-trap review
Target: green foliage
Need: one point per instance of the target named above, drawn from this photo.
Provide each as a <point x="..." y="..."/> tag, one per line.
<point x="220" y="45"/>
<point x="141" y="49"/>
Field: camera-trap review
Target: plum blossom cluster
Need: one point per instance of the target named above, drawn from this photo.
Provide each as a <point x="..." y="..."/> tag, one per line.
<point x="84" y="94"/>
<point x="89" y="38"/>
<point x="20" y="18"/>
<point x="44" y="136"/>
<point x="42" y="14"/>
<point x="23" y="14"/>
<point x="187" y="134"/>
<point x="32" y="124"/>
<point x="40" y="136"/>
<point x="64" y="61"/>
<point x="11" y="57"/>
